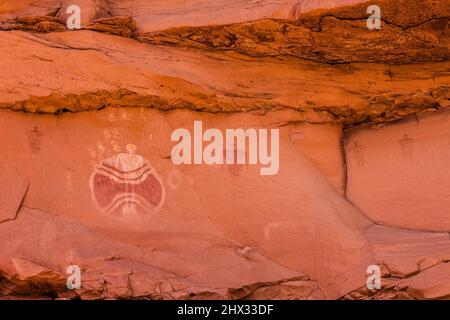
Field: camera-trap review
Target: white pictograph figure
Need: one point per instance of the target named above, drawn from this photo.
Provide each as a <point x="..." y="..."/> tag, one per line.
<point x="126" y="185"/>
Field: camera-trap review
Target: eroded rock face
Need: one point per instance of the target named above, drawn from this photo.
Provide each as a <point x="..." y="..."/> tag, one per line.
<point x="392" y="166"/>
<point x="14" y="187"/>
<point x="88" y="169"/>
<point x="96" y="158"/>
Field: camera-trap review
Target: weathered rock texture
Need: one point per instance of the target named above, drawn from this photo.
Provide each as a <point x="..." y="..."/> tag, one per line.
<point x="363" y="175"/>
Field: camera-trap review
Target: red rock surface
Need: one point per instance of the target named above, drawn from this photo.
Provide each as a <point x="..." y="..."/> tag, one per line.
<point x="86" y="154"/>
<point x="392" y="166"/>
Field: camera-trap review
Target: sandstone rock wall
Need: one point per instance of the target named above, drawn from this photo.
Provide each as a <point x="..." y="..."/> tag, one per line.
<point x="86" y="155"/>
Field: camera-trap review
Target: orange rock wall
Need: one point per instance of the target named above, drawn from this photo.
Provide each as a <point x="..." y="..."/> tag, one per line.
<point x="87" y="160"/>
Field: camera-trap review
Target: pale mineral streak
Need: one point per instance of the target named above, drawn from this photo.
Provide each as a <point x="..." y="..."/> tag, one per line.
<point x="86" y="119"/>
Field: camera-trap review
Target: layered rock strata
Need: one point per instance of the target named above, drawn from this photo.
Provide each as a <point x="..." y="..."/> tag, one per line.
<point x="87" y="168"/>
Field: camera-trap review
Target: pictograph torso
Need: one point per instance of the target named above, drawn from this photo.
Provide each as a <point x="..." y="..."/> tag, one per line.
<point x="126" y="186"/>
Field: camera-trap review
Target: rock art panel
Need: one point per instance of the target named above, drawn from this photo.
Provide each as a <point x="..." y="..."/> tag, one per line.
<point x="126" y="185"/>
<point x="286" y="233"/>
<point x="357" y="177"/>
<point x="134" y="192"/>
<point x="398" y="174"/>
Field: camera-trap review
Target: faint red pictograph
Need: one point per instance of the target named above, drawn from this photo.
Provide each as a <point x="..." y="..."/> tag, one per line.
<point x="127" y="186"/>
<point x="34" y="138"/>
<point x="235" y="168"/>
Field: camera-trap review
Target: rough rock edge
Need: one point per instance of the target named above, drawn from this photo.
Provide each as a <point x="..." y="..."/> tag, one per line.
<point x="50" y="284"/>
<point x="120" y="26"/>
<point x="393" y="286"/>
<point x="409" y="35"/>
<point x="424" y="42"/>
<point x="382" y="109"/>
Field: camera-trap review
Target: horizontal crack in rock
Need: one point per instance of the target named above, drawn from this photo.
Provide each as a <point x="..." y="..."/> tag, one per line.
<point x="381" y="109"/>
<point x="120" y="26"/>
